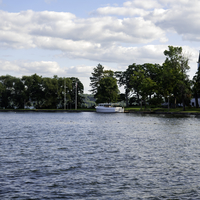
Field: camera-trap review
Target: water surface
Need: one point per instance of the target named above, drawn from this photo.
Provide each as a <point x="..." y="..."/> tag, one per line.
<point x="99" y="156"/>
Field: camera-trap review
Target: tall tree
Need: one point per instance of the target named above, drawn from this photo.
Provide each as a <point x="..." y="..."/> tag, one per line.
<point x="125" y="79"/>
<point x="64" y="85"/>
<point x="18" y="96"/>
<point x="50" y="92"/>
<point x="151" y="81"/>
<point x="175" y="79"/>
<point x="34" y="90"/>
<point x="7" y="88"/>
<point x="78" y="87"/>
<point x="142" y="83"/>
<point x="100" y="81"/>
<point x="107" y="91"/>
<point x="1" y="88"/>
<point x="97" y="75"/>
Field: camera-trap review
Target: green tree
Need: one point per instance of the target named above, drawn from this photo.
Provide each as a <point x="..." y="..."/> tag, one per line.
<point x="12" y="92"/>
<point x="175" y="80"/>
<point x="142" y="83"/>
<point x="50" y="89"/>
<point x="125" y="79"/>
<point x="39" y="92"/>
<point x="97" y="75"/>
<point x="108" y="73"/>
<point x="137" y="76"/>
<point x="6" y="90"/>
<point x="62" y="83"/>
<point x="107" y="91"/>
<point x="76" y="86"/>
<point x="1" y="88"/>
<point x="99" y="79"/>
<point x="34" y="90"/>
<point x="150" y="83"/>
<point x="18" y="96"/>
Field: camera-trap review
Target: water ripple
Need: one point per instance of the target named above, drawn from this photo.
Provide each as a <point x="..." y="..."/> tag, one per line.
<point x="98" y="156"/>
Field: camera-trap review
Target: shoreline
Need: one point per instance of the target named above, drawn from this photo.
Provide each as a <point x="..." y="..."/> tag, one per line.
<point x="162" y="112"/>
<point x="78" y="111"/>
<point x="43" y="110"/>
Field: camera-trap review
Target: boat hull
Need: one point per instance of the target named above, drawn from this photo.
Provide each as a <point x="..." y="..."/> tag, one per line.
<point x="102" y="109"/>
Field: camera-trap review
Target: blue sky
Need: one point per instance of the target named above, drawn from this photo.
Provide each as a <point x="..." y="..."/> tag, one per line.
<point x="78" y="7"/>
<point x="70" y="38"/>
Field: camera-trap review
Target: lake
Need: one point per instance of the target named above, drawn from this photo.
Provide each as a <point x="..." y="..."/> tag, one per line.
<point x="99" y="156"/>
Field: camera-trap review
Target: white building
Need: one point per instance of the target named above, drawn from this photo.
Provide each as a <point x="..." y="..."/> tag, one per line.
<point x="193" y="102"/>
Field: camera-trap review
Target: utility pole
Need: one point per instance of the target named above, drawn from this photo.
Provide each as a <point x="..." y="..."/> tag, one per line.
<point x="168" y="103"/>
<point x="198" y="62"/>
<point x="64" y="94"/>
<point x="76" y="97"/>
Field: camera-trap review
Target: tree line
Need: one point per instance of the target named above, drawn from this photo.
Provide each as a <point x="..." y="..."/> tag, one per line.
<point x="144" y="84"/>
<point x="149" y="83"/>
<point x="39" y="92"/>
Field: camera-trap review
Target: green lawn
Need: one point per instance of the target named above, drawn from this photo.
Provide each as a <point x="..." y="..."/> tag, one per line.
<point x="179" y="109"/>
<point x="134" y="108"/>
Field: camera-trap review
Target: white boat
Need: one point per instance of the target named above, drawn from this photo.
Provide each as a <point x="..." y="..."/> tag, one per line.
<point x="108" y="108"/>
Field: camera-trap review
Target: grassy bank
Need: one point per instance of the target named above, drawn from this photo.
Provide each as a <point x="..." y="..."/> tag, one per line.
<point x="158" y="109"/>
<point x="189" y="110"/>
<point x="47" y="110"/>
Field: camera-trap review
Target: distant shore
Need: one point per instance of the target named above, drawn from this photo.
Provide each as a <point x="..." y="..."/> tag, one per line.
<point x="46" y="110"/>
<point x="163" y="112"/>
<point x="93" y="110"/>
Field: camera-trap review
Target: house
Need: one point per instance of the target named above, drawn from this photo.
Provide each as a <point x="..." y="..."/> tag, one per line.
<point x="193" y="102"/>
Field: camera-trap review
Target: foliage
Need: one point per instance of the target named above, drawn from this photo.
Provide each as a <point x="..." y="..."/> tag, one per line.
<point x="147" y="83"/>
<point x="175" y="80"/>
<point x="39" y="92"/>
<point x="104" y="85"/>
<point x="107" y="91"/>
<point x="77" y="86"/>
<point x="152" y="83"/>
<point x="97" y="75"/>
<point x="124" y="79"/>
<point x="89" y="100"/>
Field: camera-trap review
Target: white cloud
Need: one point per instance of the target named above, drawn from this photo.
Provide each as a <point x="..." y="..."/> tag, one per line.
<point x="32" y="25"/>
<point x="79" y="70"/>
<point x="46" y="69"/>
<point x="130" y="8"/>
<point x="126" y="55"/>
<point x="121" y="11"/>
<point x="137" y="32"/>
<point x="42" y="67"/>
<point x="7" y="66"/>
<point x="144" y="4"/>
<point x="179" y="16"/>
<point x="96" y="38"/>
<point x="27" y="68"/>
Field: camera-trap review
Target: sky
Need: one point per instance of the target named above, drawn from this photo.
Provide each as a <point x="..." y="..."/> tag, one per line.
<point x="70" y="38"/>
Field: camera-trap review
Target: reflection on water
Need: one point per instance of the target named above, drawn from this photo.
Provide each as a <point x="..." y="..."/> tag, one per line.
<point x="99" y="156"/>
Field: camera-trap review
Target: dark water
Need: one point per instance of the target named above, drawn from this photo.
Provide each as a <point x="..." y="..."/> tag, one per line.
<point x="99" y="156"/>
